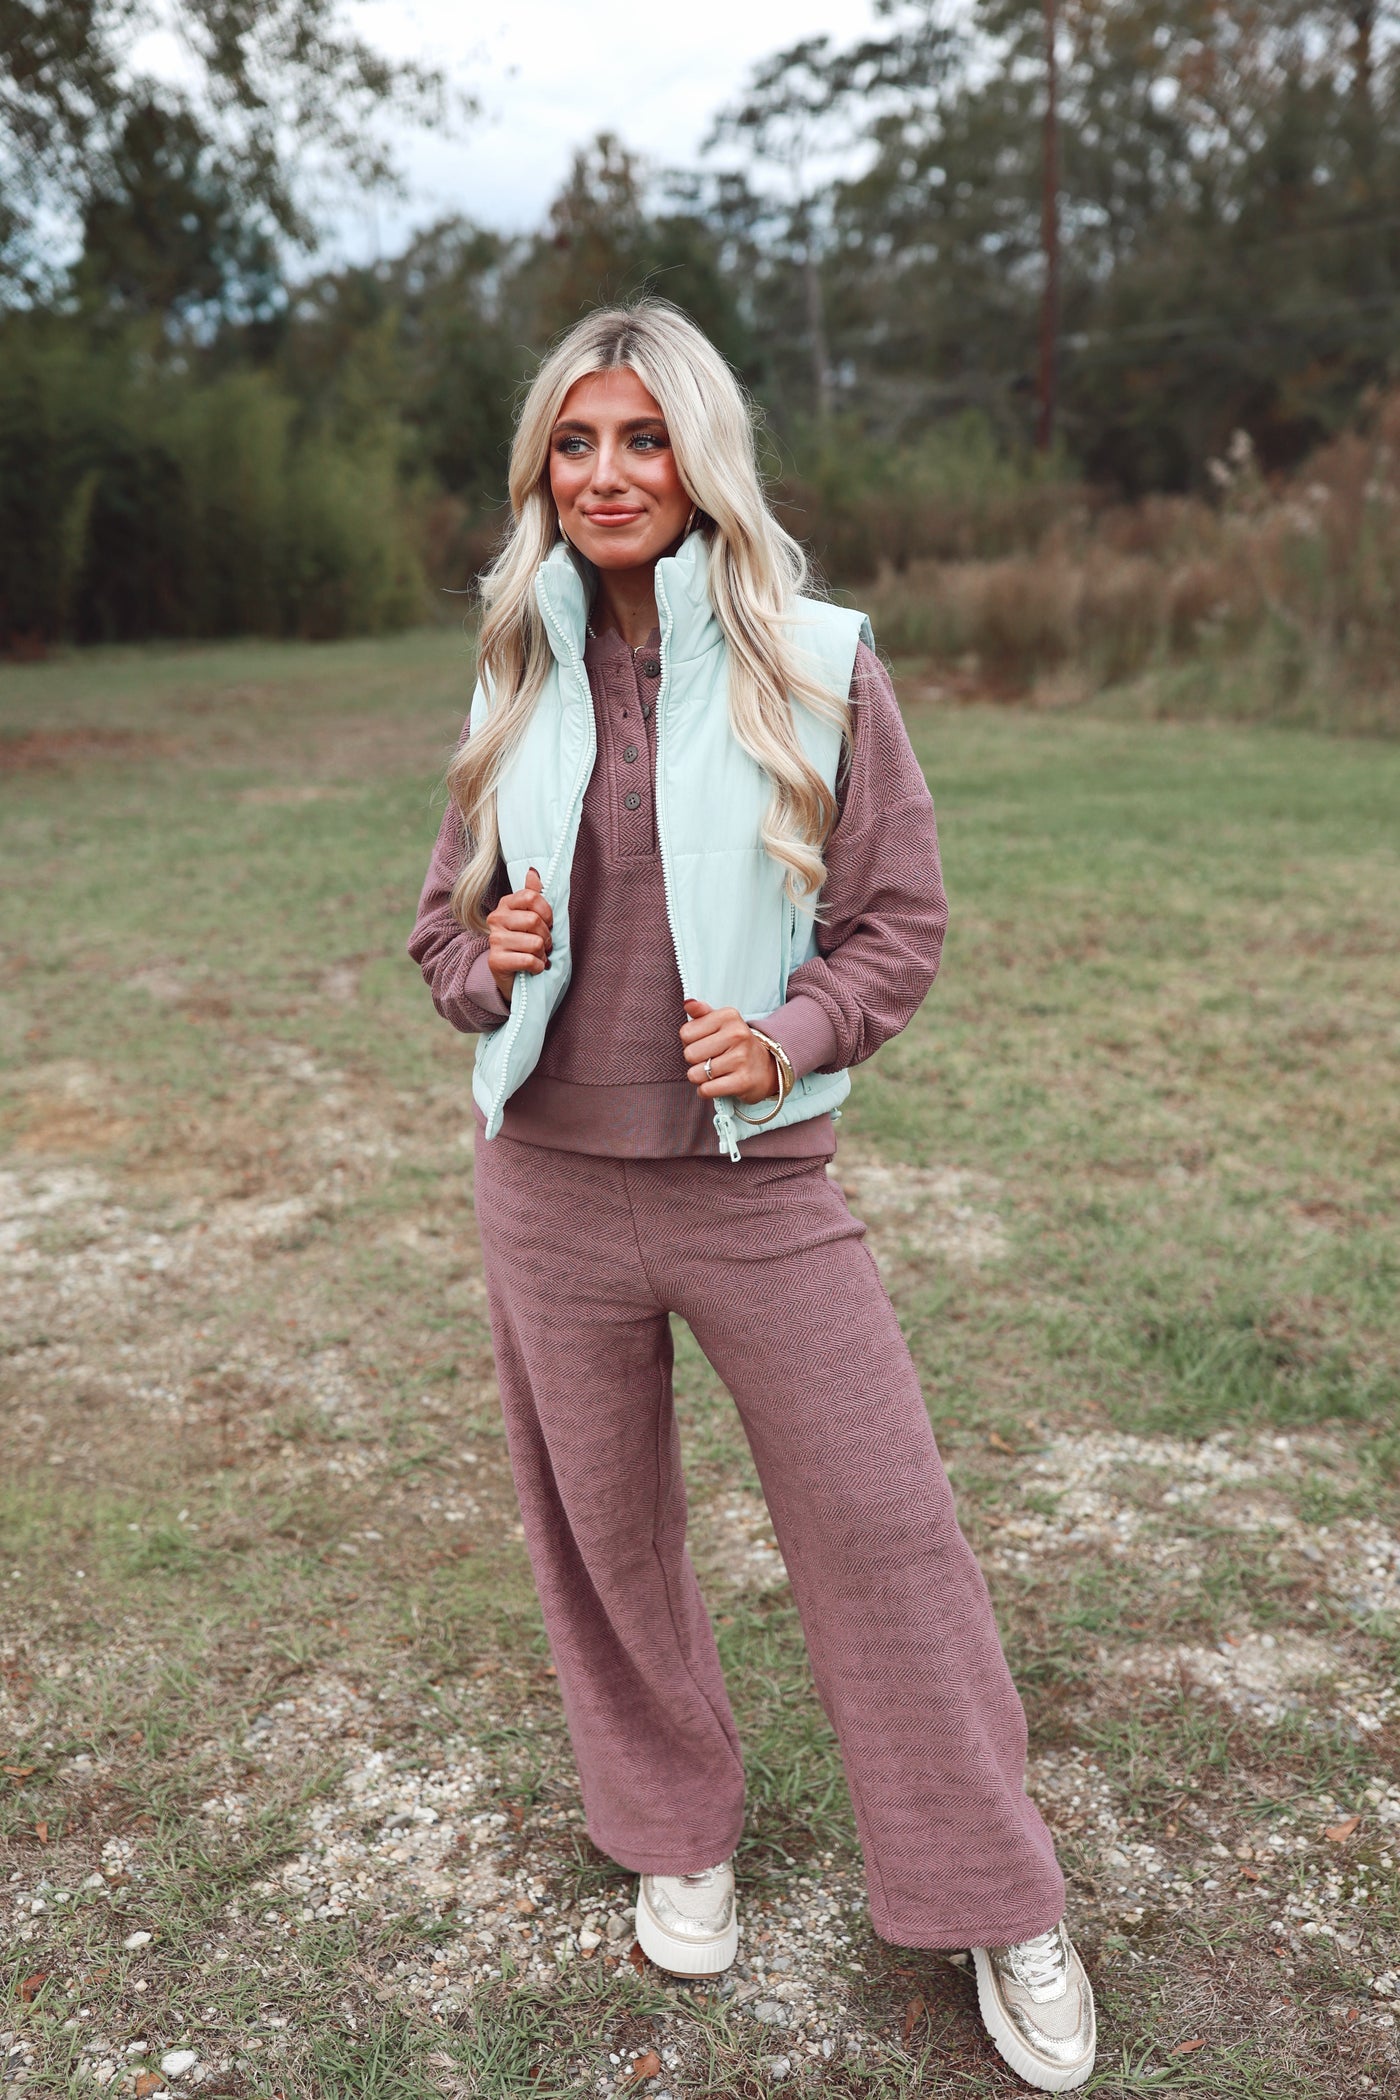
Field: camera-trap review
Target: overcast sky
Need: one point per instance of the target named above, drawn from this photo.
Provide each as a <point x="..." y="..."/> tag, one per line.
<point x="552" y="73"/>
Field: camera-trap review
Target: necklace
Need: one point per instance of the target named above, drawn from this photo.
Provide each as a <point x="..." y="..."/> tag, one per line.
<point x="635" y="647"/>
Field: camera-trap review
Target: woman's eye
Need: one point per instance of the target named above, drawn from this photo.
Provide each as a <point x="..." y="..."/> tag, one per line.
<point x="649" y="441"/>
<point x="572" y="446"/>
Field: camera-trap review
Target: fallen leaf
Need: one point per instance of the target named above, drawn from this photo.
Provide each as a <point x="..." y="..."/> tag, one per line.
<point x="1136" y="1625"/>
<point x="148" y="2082"/>
<point x="636" y="1956"/>
<point x="998" y="1442"/>
<point x="1340" y="1832"/>
<point x="524" y="1905"/>
<point x="1249" y="1874"/>
<point x="20" y="1771"/>
<point x="913" y="2013"/>
<point x="1186" y="2048"/>
<point x="41" y="1831"/>
<point x="32" y="1985"/>
<point x="644" y="2066"/>
<point x="1353" y="2013"/>
<point x="911" y="1974"/>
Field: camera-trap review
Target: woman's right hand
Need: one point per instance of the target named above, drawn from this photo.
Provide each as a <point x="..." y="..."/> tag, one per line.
<point x="522" y="934"/>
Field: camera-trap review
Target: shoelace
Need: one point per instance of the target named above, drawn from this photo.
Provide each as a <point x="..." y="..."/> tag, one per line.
<point x="1039" y="1963"/>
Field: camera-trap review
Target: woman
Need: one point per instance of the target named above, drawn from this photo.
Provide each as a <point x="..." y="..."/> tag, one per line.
<point x="689" y="874"/>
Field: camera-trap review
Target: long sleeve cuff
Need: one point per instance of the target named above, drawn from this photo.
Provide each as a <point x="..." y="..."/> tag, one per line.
<point x="806" y="1034"/>
<point x="482" y="989"/>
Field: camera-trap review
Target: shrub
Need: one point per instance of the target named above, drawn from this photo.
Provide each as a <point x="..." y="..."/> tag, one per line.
<point x="864" y="506"/>
<point x="1278" y="599"/>
<point x="139" y="500"/>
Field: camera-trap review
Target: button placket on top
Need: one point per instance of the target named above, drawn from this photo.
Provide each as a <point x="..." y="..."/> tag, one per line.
<point x="630" y="684"/>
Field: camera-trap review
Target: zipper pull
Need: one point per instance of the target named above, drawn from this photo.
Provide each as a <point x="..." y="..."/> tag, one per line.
<point x="727" y="1129"/>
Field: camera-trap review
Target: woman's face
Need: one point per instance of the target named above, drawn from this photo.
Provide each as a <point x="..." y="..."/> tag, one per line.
<point x="613" y="474"/>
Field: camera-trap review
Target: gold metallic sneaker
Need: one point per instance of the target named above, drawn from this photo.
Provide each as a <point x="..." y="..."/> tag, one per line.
<point x="1038" y="2008"/>
<point x="687" y="1923"/>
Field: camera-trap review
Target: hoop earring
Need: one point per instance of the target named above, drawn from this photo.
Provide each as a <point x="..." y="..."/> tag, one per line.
<point x="690" y="522"/>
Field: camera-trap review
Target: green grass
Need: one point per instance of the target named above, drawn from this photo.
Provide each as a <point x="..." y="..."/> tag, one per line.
<point x="1164" y="1041"/>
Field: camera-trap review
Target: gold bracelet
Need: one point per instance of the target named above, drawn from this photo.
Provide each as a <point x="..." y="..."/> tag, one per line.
<point x="787" y="1080"/>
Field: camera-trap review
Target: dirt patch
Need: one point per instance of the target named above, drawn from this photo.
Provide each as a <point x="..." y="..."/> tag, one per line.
<point x="1131" y="1496"/>
<point x="67" y="1127"/>
<point x="732" y="1542"/>
<point x="159" y="982"/>
<point x="918" y="1214"/>
<point x="286" y="795"/>
<point x="64" y="750"/>
<point x="1266" y="1676"/>
<point x="63" y="1109"/>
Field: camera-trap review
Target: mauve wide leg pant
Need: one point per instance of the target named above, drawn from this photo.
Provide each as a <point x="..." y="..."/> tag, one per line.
<point x="585" y="1258"/>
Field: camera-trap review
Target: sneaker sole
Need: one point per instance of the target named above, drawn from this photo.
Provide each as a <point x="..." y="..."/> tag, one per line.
<point x="683" y="1957"/>
<point x="1044" y="2077"/>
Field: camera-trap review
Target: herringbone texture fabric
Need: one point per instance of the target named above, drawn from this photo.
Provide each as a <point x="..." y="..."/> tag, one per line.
<point x="585" y="1258"/>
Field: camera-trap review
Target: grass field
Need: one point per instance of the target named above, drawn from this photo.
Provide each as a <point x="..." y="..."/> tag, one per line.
<point x="286" y="1805"/>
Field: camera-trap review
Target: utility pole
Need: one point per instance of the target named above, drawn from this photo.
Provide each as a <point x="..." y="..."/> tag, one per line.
<point x="823" y="389"/>
<point x="1050" y="244"/>
<point x="1363" y="17"/>
<point x="1363" y="93"/>
<point x="816" y="330"/>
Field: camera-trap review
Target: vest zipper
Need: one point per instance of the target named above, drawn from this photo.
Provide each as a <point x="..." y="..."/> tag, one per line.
<point x="726" y="1128"/>
<point x="576" y="793"/>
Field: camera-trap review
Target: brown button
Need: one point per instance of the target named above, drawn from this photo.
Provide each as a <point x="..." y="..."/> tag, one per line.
<point x="630" y="754"/>
<point x="632" y="801"/>
<point x="650" y="667"/>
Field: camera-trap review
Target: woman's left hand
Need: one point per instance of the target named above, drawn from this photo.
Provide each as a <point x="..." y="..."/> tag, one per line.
<point x="742" y="1066"/>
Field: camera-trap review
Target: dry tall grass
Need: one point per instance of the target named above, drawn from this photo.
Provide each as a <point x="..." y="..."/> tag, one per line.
<point x="1275" y="600"/>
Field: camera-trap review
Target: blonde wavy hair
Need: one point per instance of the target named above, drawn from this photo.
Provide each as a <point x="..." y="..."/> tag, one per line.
<point x="756" y="572"/>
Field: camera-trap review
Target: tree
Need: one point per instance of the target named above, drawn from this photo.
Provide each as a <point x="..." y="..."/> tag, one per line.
<point x="168" y="232"/>
<point x="93" y="147"/>
<point x="1226" y="254"/>
<point x="425" y="336"/>
<point x="785" y="119"/>
<point x="614" y="232"/>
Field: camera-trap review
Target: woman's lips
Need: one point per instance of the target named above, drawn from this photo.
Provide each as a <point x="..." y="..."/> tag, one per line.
<point x="612" y="517"/>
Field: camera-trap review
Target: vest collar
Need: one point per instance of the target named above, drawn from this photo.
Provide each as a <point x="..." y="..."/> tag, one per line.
<point x="564" y="584"/>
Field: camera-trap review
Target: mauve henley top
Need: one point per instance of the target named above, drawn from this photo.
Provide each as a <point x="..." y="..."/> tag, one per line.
<point x="611" y="1075"/>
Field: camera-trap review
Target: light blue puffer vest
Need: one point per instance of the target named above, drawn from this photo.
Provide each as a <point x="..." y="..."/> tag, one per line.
<point x="736" y="934"/>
